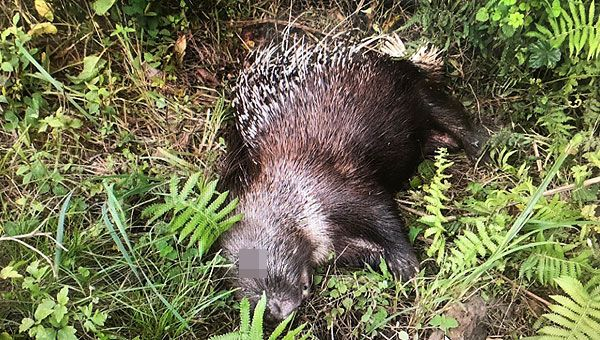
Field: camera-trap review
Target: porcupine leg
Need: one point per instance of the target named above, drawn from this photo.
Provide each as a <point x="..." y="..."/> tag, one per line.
<point x="452" y="126"/>
<point x="371" y="229"/>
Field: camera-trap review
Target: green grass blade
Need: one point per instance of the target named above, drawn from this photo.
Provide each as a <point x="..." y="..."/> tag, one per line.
<point x="117" y="214"/>
<point x="526" y="214"/>
<point x="58" y="85"/>
<point x="60" y="233"/>
<point x="106" y="210"/>
<point x="117" y="240"/>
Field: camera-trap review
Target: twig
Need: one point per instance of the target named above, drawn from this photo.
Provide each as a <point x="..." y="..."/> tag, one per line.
<point x="19" y="239"/>
<point x="244" y="23"/>
<point x="528" y="293"/>
<point x="538" y="161"/>
<point x="30" y="247"/>
<point x="477" y="101"/>
<point x="28" y="235"/>
<point x="570" y="187"/>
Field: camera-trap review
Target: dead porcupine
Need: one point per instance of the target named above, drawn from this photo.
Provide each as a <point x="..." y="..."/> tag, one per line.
<point x="324" y="135"/>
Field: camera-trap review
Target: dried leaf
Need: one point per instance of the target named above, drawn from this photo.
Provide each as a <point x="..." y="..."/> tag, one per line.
<point x="42" y="28"/>
<point x="44" y="9"/>
<point x="180" y="47"/>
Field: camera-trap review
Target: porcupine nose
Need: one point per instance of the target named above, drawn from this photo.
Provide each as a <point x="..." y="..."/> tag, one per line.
<point x="279" y="310"/>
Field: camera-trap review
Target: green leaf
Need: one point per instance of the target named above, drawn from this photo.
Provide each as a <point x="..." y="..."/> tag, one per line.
<point x="516" y="19"/>
<point x="101" y="7"/>
<point x="59" y="313"/>
<point x="26" y="323"/>
<point x="555" y="10"/>
<point x="347" y="303"/>
<point x="402" y="335"/>
<point x="44" y="309"/>
<point x="44" y="333"/>
<point x="377" y="320"/>
<point x="62" y="296"/>
<point x="42" y="28"/>
<point x="281" y="327"/>
<point x="91" y="64"/>
<point x="256" y="328"/>
<point x="6" y="66"/>
<point x="482" y="15"/>
<point x="9" y="272"/>
<point x="245" y="315"/>
<point x="66" y="333"/>
<point x="543" y="55"/>
<point x="99" y="318"/>
<point x="443" y="322"/>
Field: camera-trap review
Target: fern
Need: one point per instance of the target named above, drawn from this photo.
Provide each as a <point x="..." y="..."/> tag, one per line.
<point x="557" y="122"/>
<point x="253" y="330"/>
<point x="470" y="246"/>
<point x="591" y="114"/>
<point x="201" y="218"/>
<point x="501" y="159"/>
<point x="575" y="316"/>
<point x="435" y="198"/>
<point x="548" y="262"/>
<point x="577" y="25"/>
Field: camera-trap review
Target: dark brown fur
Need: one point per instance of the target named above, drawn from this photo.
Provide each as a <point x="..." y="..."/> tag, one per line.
<point x="337" y="143"/>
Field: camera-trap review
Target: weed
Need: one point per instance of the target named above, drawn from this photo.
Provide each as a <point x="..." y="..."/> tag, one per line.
<point x="111" y="116"/>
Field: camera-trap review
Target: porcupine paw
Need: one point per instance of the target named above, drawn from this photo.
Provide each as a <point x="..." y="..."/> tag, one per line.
<point x="402" y="264"/>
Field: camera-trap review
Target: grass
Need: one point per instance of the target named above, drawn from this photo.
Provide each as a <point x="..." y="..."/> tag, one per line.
<point x="98" y="117"/>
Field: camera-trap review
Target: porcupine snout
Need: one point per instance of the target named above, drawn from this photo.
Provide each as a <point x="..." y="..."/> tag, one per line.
<point x="280" y="309"/>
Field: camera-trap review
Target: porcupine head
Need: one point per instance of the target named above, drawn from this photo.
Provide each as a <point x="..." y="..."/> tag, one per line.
<point x="269" y="257"/>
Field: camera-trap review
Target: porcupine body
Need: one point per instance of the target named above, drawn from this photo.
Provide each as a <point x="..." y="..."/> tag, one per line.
<point x="325" y="134"/>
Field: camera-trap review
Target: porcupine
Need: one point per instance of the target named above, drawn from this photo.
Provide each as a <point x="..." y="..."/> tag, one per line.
<point x="325" y="134"/>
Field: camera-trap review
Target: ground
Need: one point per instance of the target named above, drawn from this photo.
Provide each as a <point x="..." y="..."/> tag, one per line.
<point x="112" y="120"/>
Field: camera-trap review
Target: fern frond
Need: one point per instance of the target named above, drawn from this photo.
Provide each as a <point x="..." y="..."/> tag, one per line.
<point x="157" y="210"/>
<point x="281" y="327"/>
<point x="189" y="186"/>
<point x="227" y="209"/>
<point x="217" y="202"/>
<point x="548" y="262"/>
<point x="435" y="198"/>
<point x="471" y="246"/>
<point x="197" y="221"/>
<point x="245" y="316"/>
<point x="207" y="193"/>
<point x="173" y="186"/>
<point x="256" y="328"/>
<point x="197" y="217"/>
<point x="291" y="335"/>
<point x="575" y="316"/>
<point x="576" y="26"/>
<point x="253" y="329"/>
<point x="181" y="219"/>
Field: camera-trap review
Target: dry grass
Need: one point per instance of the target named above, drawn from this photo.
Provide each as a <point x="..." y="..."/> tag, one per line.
<point x="159" y="120"/>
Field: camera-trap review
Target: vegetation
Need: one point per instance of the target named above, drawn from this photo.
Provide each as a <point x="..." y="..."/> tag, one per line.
<point x="111" y="122"/>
